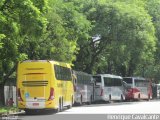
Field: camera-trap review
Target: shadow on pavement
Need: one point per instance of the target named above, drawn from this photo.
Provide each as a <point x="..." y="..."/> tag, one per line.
<point x="112" y="103"/>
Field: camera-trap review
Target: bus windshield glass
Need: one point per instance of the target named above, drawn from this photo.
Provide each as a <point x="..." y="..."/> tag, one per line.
<point x="97" y="78"/>
<point x="108" y="82"/>
<point x="158" y="86"/>
<point x="141" y="83"/>
<point x="128" y="80"/>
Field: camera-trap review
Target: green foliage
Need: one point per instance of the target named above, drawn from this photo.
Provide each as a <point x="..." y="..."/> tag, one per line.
<point x="65" y="25"/>
<point x="64" y="30"/>
<point x="8" y="109"/>
<point x="127" y="38"/>
<point x="153" y="9"/>
<point x="19" y="20"/>
<point x="1" y="37"/>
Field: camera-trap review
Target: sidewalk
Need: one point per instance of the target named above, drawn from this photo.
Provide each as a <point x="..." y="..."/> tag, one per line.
<point x="6" y="111"/>
<point x="11" y="115"/>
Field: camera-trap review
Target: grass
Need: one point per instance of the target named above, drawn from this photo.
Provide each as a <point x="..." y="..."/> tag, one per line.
<point x="6" y="109"/>
<point x="2" y="110"/>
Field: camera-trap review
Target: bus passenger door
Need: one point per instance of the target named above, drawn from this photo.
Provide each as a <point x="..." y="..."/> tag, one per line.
<point x="98" y="90"/>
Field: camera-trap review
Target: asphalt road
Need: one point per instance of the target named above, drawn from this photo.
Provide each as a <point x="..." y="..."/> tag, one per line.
<point x="99" y="111"/>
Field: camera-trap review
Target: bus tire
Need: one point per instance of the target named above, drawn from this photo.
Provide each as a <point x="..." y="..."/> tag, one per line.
<point x="109" y="99"/>
<point x="28" y="112"/>
<point x="122" y="98"/>
<point x="139" y="97"/>
<point x="90" y="100"/>
<point x="60" y="106"/>
<point x="148" y="98"/>
<point x="72" y="101"/>
<point x="70" y="106"/>
<point x="81" y="102"/>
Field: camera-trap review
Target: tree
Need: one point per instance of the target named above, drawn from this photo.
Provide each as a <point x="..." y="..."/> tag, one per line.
<point x="152" y="6"/>
<point x="19" y="20"/>
<point x="125" y="42"/>
<point x="65" y="25"/>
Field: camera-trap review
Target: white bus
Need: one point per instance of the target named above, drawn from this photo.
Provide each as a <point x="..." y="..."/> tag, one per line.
<point x="108" y="87"/>
<point x="83" y="88"/>
<point x="137" y="88"/>
<point x="158" y="91"/>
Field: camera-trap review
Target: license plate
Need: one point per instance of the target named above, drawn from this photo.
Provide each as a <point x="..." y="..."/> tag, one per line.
<point x="35" y="104"/>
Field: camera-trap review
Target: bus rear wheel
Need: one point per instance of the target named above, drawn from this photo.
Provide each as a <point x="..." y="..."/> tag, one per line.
<point x="122" y="98"/>
<point x="139" y="97"/>
<point x="90" y="100"/>
<point x="60" y="106"/>
<point x="81" y="101"/>
<point x="109" y="99"/>
<point x="70" y="106"/>
<point x="148" y="98"/>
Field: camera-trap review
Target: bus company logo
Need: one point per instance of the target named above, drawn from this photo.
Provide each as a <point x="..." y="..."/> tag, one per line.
<point x="27" y="95"/>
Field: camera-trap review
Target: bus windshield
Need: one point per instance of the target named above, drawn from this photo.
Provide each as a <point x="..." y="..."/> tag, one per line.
<point x="128" y="80"/>
<point x="141" y="83"/>
<point x="97" y="78"/>
<point x="158" y="86"/>
<point x="112" y="82"/>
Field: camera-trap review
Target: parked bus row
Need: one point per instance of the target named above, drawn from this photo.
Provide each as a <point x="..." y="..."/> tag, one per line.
<point x="156" y="91"/>
<point x="43" y="84"/>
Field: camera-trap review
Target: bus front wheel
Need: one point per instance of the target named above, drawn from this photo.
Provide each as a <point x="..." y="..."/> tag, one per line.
<point x="122" y="98"/>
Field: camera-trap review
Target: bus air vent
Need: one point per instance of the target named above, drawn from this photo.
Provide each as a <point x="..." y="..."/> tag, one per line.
<point x="34" y="83"/>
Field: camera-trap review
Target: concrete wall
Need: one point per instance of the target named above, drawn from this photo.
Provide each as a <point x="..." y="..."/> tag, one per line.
<point x="10" y="92"/>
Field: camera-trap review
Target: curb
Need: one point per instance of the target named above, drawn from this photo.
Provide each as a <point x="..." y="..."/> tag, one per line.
<point x="11" y="113"/>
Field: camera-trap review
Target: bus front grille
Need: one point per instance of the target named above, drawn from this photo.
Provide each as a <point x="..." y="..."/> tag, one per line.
<point x="34" y="83"/>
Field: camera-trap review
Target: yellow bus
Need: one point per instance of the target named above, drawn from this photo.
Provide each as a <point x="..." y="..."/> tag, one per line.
<point x="43" y="84"/>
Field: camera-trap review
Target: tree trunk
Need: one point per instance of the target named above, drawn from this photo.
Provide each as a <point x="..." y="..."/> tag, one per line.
<point x="109" y="68"/>
<point x="2" y="94"/>
<point x="5" y="78"/>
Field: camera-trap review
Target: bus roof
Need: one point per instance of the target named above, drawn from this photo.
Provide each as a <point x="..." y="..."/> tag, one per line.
<point x="109" y="75"/>
<point x="80" y="72"/>
<point x="136" y="78"/>
<point x="51" y="62"/>
<point x="44" y="61"/>
<point x="35" y="61"/>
